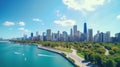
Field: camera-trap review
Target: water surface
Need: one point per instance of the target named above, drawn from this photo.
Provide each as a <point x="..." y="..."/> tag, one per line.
<point x="23" y="55"/>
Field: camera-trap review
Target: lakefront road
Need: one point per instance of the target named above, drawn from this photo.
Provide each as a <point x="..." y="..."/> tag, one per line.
<point x="78" y="60"/>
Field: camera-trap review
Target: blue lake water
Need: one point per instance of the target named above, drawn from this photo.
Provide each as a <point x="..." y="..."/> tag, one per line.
<point x="21" y="55"/>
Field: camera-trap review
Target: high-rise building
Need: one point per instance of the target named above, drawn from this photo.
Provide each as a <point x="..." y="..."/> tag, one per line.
<point x="31" y="37"/>
<point x="54" y="36"/>
<point x="101" y="37"/>
<point x="90" y="35"/>
<point x="65" y="36"/>
<point x="117" y="35"/>
<point x="31" y="34"/>
<point x="85" y="31"/>
<point x="37" y="33"/>
<point x="58" y="36"/>
<point x="75" y="32"/>
<point x="78" y="36"/>
<point x="107" y="36"/>
<point x="85" y="28"/>
<point x="44" y="36"/>
<point x="71" y="32"/>
<point x="71" y="35"/>
<point x="49" y="37"/>
<point x="96" y="37"/>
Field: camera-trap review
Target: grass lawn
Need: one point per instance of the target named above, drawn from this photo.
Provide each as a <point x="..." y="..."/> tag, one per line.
<point x="80" y="55"/>
<point x="64" y="49"/>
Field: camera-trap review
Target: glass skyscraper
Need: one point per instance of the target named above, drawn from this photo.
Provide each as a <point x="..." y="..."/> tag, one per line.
<point x="85" y="31"/>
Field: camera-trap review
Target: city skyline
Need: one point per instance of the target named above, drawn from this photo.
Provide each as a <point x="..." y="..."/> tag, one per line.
<point x="20" y="17"/>
<point x="74" y="36"/>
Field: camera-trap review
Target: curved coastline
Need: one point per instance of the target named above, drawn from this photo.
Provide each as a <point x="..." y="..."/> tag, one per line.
<point x="25" y="57"/>
<point x="56" y="51"/>
<point x="51" y="50"/>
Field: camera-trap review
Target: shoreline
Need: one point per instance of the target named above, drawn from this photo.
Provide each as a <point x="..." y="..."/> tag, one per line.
<point x="60" y="52"/>
<point x="56" y="51"/>
<point x="73" y="58"/>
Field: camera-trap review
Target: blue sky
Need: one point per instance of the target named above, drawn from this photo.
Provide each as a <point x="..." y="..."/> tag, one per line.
<point x="18" y="17"/>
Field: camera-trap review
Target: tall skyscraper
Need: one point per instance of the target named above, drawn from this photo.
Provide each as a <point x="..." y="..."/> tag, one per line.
<point x="31" y="34"/>
<point x="85" y="31"/>
<point x="71" y="35"/>
<point x="107" y="36"/>
<point x="90" y="35"/>
<point x="58" y="36"/>
<point x="71" y="32"/>
<point x="85" y="28"/>
<point x="75" y="32"/>
<point x="54" y="36"/>
<point x="101" y="37"/>
<point x="31" y="37"/>
<point x="44" y="36"/>
<point x="49" y="36"/>
<point x="37" y="33"/>
<point x="65" y="36"/>
<point x="96" y="37"/>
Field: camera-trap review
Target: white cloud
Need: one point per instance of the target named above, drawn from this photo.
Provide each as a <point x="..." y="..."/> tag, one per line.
<point x="24" y="30"/>
<point x="84" y="5"/>
<point x="65" y="22"/>
<point x="63" y="17"/>
<point x="8" y="23"/>
<point x="37" y="20"/>
<point x="58" y="13"/>
<point x="118" y="17"/>
<point x="21" y="23"/>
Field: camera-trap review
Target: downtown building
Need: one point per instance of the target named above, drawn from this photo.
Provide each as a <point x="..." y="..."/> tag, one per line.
<point x="48" y="35"/>
<point x="90" y="35"/>
<point x="74" y="36"/>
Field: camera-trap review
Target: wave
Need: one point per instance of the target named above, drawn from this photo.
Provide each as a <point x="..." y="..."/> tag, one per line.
<point x="17" y="53"/>
<point x="25" y="58"/>
<point x="44" y="55"/>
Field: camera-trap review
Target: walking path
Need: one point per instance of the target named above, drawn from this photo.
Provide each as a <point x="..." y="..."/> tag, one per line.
<point x="73" y="55"/>
<point x="106" y="51"/>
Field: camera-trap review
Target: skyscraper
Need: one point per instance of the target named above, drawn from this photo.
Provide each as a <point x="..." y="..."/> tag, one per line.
<point x="118" y="37"/>
<point x="107" y="36"/>
<point x="44" y="36"/>
<point x="37" y="33"/>
<point x="71" y="32"/>
<point x="85" y="28"/>
<point x="54" y="36"/>
<point x="75" y="32"/>
<point x="101" y="37"/>
<point x="71" y="35"/>
<point x="90" y="35"/>
<point x="31" y="37"/>
<point x="58" y="35"/>
<point x="31" y="34"/>
<point x="49" y="37"/>
<point x="96" y="37"/>
<point x="65" y="36"/>
<point x="85" y="31"/>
